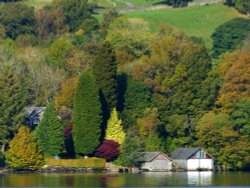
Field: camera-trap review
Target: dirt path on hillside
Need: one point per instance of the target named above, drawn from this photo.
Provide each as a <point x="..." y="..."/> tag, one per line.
<point x="129" y="4"/>
<point x="132" y="8"/>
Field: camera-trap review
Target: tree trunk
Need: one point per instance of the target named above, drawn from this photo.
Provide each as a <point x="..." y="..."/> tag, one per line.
<point x="3" y="148"/>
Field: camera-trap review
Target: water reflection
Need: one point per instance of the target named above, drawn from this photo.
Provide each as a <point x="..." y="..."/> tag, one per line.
<point x="149" y="179"/>
<point x="199" y="178"/>
<point x="112" y="180"/>
<point x="179" y="178"/>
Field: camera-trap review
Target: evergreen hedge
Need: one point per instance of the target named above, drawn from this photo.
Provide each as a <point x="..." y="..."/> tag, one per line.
<point x="77" y="163"/>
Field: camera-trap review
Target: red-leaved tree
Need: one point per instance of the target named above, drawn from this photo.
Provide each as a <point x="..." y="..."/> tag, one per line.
<point x="108" y="150"/>
<point x="69" y="140"/>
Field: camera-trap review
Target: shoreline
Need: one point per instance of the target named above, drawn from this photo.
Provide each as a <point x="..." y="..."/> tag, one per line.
<point x="63" y="170"/>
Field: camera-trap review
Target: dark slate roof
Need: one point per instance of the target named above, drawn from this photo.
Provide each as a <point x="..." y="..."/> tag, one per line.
<point x="183" y="153"/>
<point x="32" y="111"/>
<point x="149" y="156"/>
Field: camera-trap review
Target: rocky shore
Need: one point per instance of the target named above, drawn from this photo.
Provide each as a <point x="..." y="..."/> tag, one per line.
<point x="54" y="169"/>
<point x="59" y="169"/>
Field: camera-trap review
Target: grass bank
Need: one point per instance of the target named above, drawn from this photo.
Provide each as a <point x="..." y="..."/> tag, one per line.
<point x="195" y="21"/>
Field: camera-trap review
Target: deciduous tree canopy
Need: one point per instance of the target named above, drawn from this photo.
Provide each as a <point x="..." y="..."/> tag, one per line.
<point x="17" y="19"/>
<point x="235" y="72"/>
<point x="230" y="36"/>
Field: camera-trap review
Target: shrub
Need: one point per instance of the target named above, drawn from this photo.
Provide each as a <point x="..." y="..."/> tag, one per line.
<point x="26" y="40"/>
<point x="76" y="163"/>
<point x="108" y="150"/>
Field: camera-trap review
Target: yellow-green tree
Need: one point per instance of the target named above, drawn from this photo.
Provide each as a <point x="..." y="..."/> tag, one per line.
<point x="114" y="129"/>
<point x="24" y="153"/>
<point x="129" y="37"/>
<point x="215" y="133"/>
<point x="65" y="96"/>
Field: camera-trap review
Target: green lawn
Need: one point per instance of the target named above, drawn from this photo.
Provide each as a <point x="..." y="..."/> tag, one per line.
<point x="195" y="21"/>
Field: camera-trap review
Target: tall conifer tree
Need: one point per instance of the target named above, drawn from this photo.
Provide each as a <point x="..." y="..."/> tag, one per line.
<point x="137" y="98"/>
<point x="87" y="115"/>
<point x="105" y="71"/>
<point x="14" y="97"/>
<point x="114" y="129"/>
<point x="49" y="132"/>
<point x="24" y="152"/>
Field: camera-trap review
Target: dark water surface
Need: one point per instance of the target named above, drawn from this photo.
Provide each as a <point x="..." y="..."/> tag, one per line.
<point x="149" y="179"/>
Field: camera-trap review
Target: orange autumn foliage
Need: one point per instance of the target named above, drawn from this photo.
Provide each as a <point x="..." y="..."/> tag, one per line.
<point x="65" y="96"/>
<point x="235" y="72"/>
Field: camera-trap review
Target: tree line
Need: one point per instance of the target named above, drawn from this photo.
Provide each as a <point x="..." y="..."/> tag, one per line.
<point x="113" y="89"/>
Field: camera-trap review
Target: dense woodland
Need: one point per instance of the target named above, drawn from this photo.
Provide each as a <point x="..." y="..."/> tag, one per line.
<point x="113" y="89"/>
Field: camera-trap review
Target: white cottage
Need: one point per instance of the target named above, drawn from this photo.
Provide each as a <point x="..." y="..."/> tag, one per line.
<point x="155" y="161"/>
<point x="192" y="159"/>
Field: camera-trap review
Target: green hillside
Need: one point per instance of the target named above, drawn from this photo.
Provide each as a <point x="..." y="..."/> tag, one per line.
<point x="195" y="21"/>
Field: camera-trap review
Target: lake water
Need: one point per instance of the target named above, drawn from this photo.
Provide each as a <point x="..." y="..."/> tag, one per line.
<point x="149" y="179"/>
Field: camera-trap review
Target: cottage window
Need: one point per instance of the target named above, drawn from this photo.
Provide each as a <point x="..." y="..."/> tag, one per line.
<point x="200" y="155"/>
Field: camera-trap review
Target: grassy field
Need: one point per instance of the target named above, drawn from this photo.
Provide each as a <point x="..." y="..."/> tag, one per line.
<point x="195" y="21"/>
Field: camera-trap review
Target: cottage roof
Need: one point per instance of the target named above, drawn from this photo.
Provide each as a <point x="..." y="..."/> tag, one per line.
<point x="149" y="156"/>
<point x="184" y="153"/>
<point x="32" y="111"/>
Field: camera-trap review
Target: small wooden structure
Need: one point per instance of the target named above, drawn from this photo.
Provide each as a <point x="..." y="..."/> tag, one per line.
<point x="192" y="159"/>
<point x="33" y="116"/>
<point x="155" y="161"/>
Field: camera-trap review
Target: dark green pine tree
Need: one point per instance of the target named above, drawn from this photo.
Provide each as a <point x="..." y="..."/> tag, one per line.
<point x="49" y="133"/>
<point x="14" y="97"/>
<point x="136" y="98"/>
<point x="87" y="117"/>
<point x="105" y="71"/>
